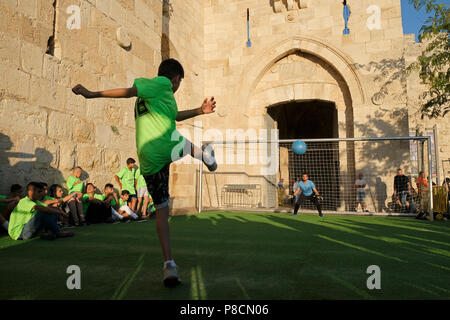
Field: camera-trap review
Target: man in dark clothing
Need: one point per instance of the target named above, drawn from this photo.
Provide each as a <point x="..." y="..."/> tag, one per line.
<point x="402" y="188"/>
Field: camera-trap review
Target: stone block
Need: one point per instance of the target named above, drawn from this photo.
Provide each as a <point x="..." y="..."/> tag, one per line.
<point x="42" y="92"/>
<point x="83" y="131"/>
<point x="28" y="7"/>
<point x="67" y="156"/>
<point x="9" y="50"/>
<point x="16" y="84"/>
<point x="31" y="58"/>
<point x="89" y="157"/>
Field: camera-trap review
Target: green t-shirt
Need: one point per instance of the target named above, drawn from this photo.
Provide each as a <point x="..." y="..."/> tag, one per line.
<point x="127" y="178"/>
<point x="70" y="184"/>
<point x="49" y="198"/>
<point x="156" y="135"/>
<point x="21" y="214"/>
<point x="86" y="203"/>
<point x="140" y="179"/>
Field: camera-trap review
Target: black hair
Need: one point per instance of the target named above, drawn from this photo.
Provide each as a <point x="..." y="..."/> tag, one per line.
<point x="15" y="187"/>
<point x="35" y="185"/>
<point x="130" y="161"/>
<point x="44" y="184"/>
<point x="109" y="185"/>
<point x="170" y="68"/>
<point x="124" y="192"/>
<point x="52" y="190"/>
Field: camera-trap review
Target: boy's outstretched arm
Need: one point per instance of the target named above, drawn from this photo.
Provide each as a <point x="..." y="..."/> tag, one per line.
<point x="114" y="93"/>
<point x="207" y="107"/>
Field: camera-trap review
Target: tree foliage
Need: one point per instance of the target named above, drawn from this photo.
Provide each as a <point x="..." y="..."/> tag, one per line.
<point x="433" y="63"/>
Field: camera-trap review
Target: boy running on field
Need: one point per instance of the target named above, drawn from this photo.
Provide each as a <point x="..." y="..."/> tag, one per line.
<point x="159" y="143"/>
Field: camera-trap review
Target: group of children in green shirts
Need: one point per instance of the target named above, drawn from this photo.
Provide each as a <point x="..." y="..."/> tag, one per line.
<point x="133" y="203"/>
<point x="81" y="206"/>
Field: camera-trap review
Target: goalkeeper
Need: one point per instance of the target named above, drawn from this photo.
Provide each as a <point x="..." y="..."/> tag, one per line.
<point x="308" y="192"/>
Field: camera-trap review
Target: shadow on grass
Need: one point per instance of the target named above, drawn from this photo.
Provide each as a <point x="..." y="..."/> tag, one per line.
<point x="238" y="256"/>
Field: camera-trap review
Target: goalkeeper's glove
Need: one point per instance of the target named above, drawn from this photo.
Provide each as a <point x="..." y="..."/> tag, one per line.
<point x="320" y="198"/>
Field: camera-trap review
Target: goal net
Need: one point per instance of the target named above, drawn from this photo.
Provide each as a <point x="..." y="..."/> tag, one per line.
<point x="351" y="175"/>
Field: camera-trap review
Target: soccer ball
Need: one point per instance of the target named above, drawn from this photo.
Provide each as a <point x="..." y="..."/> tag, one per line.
<point x="299" y="147"/>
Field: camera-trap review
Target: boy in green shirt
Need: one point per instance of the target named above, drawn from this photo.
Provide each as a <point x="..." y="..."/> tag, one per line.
<point x="95" y="209"/>
<point x="126" y="178"/>
<point x="159" y="143"/>
<point x="7" y="204"/>
<point x="75" y="186"/>
<point x="30" y="216"/>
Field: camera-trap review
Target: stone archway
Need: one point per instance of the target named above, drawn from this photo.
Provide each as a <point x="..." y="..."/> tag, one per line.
<point x="298" y="70"/>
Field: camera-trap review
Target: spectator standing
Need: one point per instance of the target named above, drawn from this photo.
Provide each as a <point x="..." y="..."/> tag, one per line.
<point x="402" y="188"/>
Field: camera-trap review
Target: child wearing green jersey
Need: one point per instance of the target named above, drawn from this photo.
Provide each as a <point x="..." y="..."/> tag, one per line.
<point x="159" y="143"/>
<point x="95" y="209"/>
<point x="126" y="178"/>
<point x="76" y="186"/>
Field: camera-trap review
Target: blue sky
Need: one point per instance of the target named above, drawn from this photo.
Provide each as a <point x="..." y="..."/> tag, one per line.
<point x="413" y="19"/>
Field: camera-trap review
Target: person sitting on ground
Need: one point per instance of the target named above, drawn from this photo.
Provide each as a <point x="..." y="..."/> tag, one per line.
<point x="75" y="186"/>
<point x="124" y="209"/>
<point x="31" y="215"/>
<point x="112" y="201"/>
<point x="56" y="192"/>
<point x="95" y="209"/>
<point x="16" y="192"/>
<point x="127" y="180"/>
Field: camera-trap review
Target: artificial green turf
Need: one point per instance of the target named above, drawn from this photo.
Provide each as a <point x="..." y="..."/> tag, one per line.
<point x="228" y="255"/>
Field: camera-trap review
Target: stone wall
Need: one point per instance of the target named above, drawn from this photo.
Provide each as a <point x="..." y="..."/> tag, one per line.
<point x="45" y="129"/>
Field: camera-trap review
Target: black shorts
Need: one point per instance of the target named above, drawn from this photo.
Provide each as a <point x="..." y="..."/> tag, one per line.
<point x="158" y="187"/>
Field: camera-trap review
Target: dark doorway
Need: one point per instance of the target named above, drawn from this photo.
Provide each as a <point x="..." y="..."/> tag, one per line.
<point x="314" y="119"/>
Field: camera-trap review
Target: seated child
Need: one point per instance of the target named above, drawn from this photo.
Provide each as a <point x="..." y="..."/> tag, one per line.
<point x="124" y="210"/>
<point x="95" y="209"/>
<point x="56" y="193"/>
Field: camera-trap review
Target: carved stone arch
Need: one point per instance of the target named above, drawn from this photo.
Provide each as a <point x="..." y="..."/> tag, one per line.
<point x="335" y="58"/>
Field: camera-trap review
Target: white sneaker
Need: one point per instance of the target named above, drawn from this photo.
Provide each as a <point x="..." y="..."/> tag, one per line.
<point x="171" y="278"/>
<point x="208" y="157"/>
